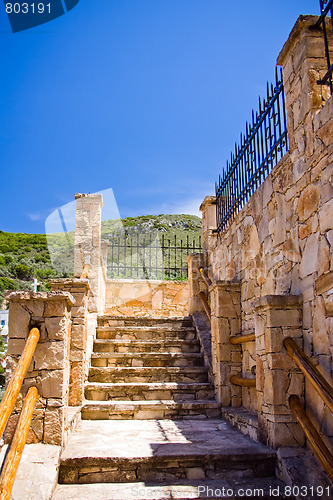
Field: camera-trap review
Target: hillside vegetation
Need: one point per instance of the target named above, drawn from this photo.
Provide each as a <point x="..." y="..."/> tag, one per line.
<point x="24" y="257"/>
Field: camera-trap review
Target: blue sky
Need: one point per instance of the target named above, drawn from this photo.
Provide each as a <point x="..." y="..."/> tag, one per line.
<point x="146" y="97"/>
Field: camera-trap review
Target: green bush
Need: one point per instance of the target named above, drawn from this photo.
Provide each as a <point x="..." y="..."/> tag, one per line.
<point x="22" y="271"/>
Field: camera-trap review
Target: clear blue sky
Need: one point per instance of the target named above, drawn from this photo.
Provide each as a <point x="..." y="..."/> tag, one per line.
<point x="146" y="97"/>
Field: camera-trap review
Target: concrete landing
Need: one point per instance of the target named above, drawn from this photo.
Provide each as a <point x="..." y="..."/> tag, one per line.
<point x="37" y="473"/>
<point x="147" y="438"/>
<point x="127" y="451"/>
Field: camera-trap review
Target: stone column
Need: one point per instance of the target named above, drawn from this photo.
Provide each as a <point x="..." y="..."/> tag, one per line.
<point x="227" y="358"/>
<point x="208" y="209"/>
<point x="196" y="283"/>
<point x="303" y="62"/>
<point x="79" y="357"/>
<point x="49" y="369"/>
<point x="277" y="317"/>
<point x="87" y="247"/>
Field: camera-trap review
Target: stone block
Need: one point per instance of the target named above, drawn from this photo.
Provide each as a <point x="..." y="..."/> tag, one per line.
<point x="326" y="216"/>
<point x="56" y="308"/>
<point x="53" y="426"/>
<point x="50" y="356"/>
<point x="52" y="384"/>
<point x="309" y="263"/>
<point x="308" y="202"/>
<point x="76" y="384"/>
<point x="56" y="328"/>
<point x="15" y="346"/>
<point x="19" y="319"/>
<point x="79" y="336"/>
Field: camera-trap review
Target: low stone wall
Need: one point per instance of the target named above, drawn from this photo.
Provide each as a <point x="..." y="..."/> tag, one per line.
<point x="147" y="298"/>
<point x="49" y="369"/>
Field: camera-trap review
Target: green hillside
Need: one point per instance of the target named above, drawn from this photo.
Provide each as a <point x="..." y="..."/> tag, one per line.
<point x="24" y="257"/>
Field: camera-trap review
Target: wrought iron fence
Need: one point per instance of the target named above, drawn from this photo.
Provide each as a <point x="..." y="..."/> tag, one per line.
<point x="261" y="147"/>
<point x="150" y="257"/>
<point x="326" y="8"/>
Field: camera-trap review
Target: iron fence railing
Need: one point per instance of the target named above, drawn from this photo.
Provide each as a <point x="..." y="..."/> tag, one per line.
<point x="326" y="9"/>
<point x="143" y="256"/>
<point x="261" y="147"/>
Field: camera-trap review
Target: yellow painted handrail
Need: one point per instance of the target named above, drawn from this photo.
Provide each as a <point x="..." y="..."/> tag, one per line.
<point x="205" y="277"/>
<point x="316" y="441"/>
<point x="15" y="451"/>
<point x="323" y="388"/>
<point x="205" y="304"/>
<point x="242" y="381"/>
<point x="240" y="339"/>
<point x="15" y="384"/>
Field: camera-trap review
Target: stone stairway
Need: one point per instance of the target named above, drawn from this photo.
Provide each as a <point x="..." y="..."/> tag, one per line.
<point x="151" y="427"/>
<point x="146" y="369"/>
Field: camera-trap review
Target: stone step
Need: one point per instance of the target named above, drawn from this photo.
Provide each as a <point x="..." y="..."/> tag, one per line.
<point x="142" y="392"/>
<point x="126" y="451"/>
<point x="146" y="410"/>
<point x="145" y="332"/>
<point x="109" y="320"/>
<point x="233" y="489"/>
<point x="107" y="359"/>
<point x="173" y="345"/>
<point x="148" y="374"/>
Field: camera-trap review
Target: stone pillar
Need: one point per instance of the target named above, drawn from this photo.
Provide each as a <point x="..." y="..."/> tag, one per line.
<point x="278" y="317"/>
<point x="303" y="62"/>
<point x="87" y="247"/>
<point x="208" y="209"/>
<point x="49" y="369"/>
<point x="78" y="357"/>
<point x="195" y="281"/>
<point x="226" y="358"/>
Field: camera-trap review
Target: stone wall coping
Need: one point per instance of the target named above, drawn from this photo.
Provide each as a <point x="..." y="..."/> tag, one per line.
<point x="25" y="295"/>
<point x="89" y="196"/>
<point x="324" y="283"/>
<point x="302" y="23"/>
<point x="74" y="282"/>
<point x="191" y="255"/>
<point x="141" y="281"/>
<point x="209" y="200"/>
<point x="277" y="302"/>
<point x="228" y="286"/>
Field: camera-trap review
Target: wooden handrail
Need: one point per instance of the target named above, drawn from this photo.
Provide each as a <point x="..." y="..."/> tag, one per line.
<point x="205" y="304"/>
<point x="240" y="339"/>
<point x="205" y="277"/>
<point x="15" y="451"/>
<point x="242" y="381"/>
<point x="316" y="441"/>
<point x="15" y="384"/>
<point x="311" y="372"/>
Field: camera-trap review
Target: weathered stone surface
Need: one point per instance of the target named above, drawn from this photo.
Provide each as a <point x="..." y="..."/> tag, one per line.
<point x="309" y="261"/>
<point x="308" y="202"/>
<point x="19" y="319"/>
<point x="50" y="356"/>
<point x="56" y="328"/>
<point x="52" y="384"/>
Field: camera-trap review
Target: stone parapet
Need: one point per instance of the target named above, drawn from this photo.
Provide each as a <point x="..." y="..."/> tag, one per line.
<point x="156" y="298"/>
<point x="277" y="317"/>
<point x="225" y="299"/>
<point x="208" y="209"/>
<point x="196" y="284"/>
<point x="49" y="369"/>
<point x="78" y="357"/>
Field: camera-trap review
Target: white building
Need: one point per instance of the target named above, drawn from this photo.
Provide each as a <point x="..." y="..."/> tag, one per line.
<point x="4" y="324"/>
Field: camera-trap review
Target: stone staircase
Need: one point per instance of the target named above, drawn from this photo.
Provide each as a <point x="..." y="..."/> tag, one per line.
<point x="151" y="427"/>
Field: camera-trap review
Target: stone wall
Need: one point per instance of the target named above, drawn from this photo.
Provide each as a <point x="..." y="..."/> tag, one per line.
<point x="49" y="370"/>
<point x="281" y="242"/>
<point x="146" y="298"/>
